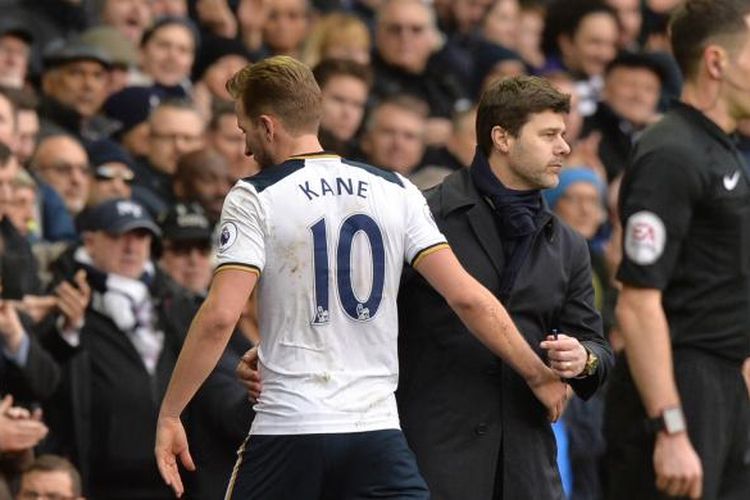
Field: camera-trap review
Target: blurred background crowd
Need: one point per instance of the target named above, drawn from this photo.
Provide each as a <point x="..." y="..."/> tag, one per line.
<point x="118" y="143"/>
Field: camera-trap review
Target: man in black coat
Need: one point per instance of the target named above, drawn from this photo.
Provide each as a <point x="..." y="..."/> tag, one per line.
<point x="473" y="423"/>
<point x="117" y="365"/>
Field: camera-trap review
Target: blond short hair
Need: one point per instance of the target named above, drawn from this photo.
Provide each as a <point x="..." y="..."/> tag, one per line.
<point x="280" y="86"/>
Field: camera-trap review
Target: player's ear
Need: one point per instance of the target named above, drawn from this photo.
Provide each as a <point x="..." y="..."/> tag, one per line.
<point x="267" y="126"/>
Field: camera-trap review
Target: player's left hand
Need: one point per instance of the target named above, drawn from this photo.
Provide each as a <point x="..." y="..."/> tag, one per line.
<point x="171" y="442"/>
<point x="248" y="374"/>
<point x="567" y="355"/>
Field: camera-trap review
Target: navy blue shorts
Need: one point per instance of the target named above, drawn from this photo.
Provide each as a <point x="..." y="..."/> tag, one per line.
<point x="377" y="464"/>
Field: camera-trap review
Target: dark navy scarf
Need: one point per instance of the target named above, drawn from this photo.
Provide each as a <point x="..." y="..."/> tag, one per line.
<point x="515" y="212"/>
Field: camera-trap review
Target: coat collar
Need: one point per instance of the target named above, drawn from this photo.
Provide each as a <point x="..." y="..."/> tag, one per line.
<point x="458" y="192"/>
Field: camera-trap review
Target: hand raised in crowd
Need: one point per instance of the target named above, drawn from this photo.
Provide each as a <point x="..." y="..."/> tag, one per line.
<point x="11" y="329"/>
<point x="218" y="17"/>
<point x="72" y="300"/>
<point x="248" y="374"/>
<point x="252" y="16"/>
<point x="19" y="429"/>
<point x="566" y="354"/>
<point x="677" y="466"/>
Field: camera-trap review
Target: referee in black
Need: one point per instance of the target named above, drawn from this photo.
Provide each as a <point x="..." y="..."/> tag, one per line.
<point x="678" y="417"/>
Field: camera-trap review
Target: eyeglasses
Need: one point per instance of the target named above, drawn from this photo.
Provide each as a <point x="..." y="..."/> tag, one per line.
<point x="184" y="138"/>
<point x="33" y="495"/>
<point x="396" y="29"/>
<point x="68" y="169"/>
<point x="105" y="173"/>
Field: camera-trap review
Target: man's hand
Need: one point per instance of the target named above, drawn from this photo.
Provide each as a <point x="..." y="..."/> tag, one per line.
<point x="37" y="307"/>
<point x="677" y="466"/>
<point x="566" y="354"/>
<point x="73" y="300"/>
<point x="746" y="374"/>
<point x="19" y="430"/>
<point x="11" y="330"/>
<point x="248" y="374"/>
<point x="171" y="443"/>
<point x="218" y="17"/>
<point x="552" y="393"/>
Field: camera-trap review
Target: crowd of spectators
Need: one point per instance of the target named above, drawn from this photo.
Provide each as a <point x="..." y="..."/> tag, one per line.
<point x="118" y="143"/>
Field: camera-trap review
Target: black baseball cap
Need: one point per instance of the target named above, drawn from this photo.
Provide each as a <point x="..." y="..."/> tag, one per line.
<point x="119" y="216"/>
<point x="11" y="27"/>
<point x="187" y="222"/>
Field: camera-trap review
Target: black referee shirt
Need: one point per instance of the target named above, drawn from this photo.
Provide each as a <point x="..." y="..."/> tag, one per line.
<point x="685" y="209"/>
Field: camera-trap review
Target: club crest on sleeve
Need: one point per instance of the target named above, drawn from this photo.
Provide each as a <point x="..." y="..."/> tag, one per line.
<point x="645" y="238"/>
<point x="227" y="236"/>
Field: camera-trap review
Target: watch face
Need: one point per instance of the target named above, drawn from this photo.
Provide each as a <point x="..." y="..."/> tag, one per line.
<point x="592" y="363"/>
<point x="674" y="420"/>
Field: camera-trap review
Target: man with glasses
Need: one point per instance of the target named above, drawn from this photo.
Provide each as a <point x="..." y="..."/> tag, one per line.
<point x="112" y="172"/>
<point x="405" y="40"/>
<point x="176" y="128"/>
<point x="50" y="477"/>
<point x="62" y="163"/>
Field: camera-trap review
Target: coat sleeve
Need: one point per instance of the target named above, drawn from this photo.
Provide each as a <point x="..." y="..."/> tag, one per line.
<point x="580" y="319"/>
<point x="38" y="378"/>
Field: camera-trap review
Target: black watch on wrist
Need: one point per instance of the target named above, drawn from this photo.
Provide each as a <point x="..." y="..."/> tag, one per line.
<point x="671" y="421"/>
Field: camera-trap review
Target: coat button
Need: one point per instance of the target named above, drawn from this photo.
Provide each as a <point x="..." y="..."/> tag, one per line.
<point x="480" y="430"/>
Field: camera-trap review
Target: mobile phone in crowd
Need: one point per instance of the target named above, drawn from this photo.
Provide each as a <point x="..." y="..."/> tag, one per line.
<point x="12" y="276"/>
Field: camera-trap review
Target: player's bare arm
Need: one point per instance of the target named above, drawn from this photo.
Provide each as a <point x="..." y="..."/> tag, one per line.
<point x="488" y="320"/>
<point x="205" y="342"/>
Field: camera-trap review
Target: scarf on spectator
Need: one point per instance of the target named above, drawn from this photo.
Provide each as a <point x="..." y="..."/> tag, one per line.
<point x="128" y="303"/>
<point x="515" y="212"/>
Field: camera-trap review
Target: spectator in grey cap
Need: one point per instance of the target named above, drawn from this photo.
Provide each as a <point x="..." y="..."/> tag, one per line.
<point x="75" y="84"/>
<point x="118" y="363"/>
<point x="120" y="50"/>
<point x="186" y="254"/>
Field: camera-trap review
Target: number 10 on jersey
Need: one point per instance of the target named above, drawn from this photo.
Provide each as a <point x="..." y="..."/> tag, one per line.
<point x="359" y="310"/>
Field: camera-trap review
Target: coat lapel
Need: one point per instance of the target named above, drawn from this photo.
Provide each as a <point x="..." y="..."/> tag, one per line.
<point x="458" y="191"/>
<point x="485" y="229"/>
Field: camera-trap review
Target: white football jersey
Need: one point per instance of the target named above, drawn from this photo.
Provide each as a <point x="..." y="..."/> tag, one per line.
<point x="328" y="238"/>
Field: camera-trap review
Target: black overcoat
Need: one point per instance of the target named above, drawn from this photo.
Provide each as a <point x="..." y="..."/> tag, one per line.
<point x="465" y="414"/>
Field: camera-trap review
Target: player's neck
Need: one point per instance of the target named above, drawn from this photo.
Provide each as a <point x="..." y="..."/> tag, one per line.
<point x="300" y="145"/>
